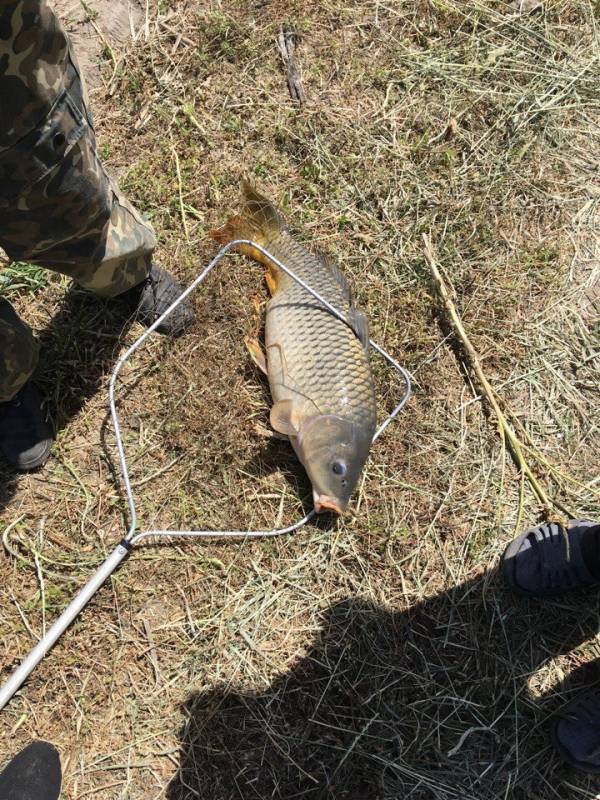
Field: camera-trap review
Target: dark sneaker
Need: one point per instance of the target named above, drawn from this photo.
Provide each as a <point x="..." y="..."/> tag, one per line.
<point x="576" y="733"/>
<point x="549" y="559"/>
<point x="151" y="298"/>
<point x="25" y="436"/>
<point x="33" y="774"/>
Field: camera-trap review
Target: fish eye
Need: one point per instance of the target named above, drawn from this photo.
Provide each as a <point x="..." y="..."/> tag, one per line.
<point x="339" y="468"/>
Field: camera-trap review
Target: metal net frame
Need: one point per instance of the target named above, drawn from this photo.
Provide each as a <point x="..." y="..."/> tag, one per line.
<point x="133" y="535"/>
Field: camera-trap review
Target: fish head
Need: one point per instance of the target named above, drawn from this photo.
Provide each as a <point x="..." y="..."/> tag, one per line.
<point x="333" y="451"/>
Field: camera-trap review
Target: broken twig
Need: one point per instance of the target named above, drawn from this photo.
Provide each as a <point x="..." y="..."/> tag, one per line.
<point x="506" y="431"/>
<point x="286" y="41"/>
<point x="180" y="187"/>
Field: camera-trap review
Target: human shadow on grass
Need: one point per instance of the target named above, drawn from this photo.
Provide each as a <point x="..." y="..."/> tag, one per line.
<point x="428" y="703"/>
<point x="78" y="349"/>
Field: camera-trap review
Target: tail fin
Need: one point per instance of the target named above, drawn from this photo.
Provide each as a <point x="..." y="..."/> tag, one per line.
<point x="259" y="221"/>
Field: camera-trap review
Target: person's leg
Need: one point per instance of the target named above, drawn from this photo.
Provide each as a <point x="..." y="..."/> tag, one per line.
<point x="25" y="437"/>
<point x="18" y="352"/>
<point x="550" y="560"/>
<point x="58" y="207"/>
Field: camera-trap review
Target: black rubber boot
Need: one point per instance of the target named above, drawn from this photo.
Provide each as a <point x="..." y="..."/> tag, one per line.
<point x="33" y="774"/>
<point x="25" y="436"/>
<point x="151" y="298"/>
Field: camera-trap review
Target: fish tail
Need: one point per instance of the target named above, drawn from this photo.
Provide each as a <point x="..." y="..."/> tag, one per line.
<point x="259" y="221"/>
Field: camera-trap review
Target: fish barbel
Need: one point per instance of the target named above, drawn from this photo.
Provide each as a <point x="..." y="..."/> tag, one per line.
<point x="317" y="365"/>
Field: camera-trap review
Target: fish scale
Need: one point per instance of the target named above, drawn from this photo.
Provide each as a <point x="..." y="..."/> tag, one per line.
<point x="324" y="358"/>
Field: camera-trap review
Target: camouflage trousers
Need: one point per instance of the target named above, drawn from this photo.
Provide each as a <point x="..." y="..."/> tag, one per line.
<point x="58" y="207"/>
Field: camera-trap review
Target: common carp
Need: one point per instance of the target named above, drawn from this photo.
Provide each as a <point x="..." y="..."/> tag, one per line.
<point x="317" y="365"/>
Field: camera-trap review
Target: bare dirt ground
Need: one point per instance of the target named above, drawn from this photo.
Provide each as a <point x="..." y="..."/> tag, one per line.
<point x="98" y="30"/>
<point x="379" y="656"/>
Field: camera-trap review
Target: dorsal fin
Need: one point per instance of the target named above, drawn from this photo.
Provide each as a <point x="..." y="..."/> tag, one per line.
<point x="356" y="318"/>
<point x="337" y="275"/>
<point x="359" y="323"/>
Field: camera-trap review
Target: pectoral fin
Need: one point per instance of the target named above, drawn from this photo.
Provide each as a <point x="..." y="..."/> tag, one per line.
<point x="256" y="353"/>
<point x="272" y="279"/>
<point x="284" y="418"/>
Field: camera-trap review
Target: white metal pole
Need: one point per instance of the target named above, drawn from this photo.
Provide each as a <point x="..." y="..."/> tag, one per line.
<point x="27" y="666"/>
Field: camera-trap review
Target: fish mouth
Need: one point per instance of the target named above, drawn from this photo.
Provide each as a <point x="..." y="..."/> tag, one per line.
<point x="325" y="503"/>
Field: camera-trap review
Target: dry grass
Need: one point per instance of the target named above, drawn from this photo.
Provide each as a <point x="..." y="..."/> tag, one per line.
<point x="379" y="657"/>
